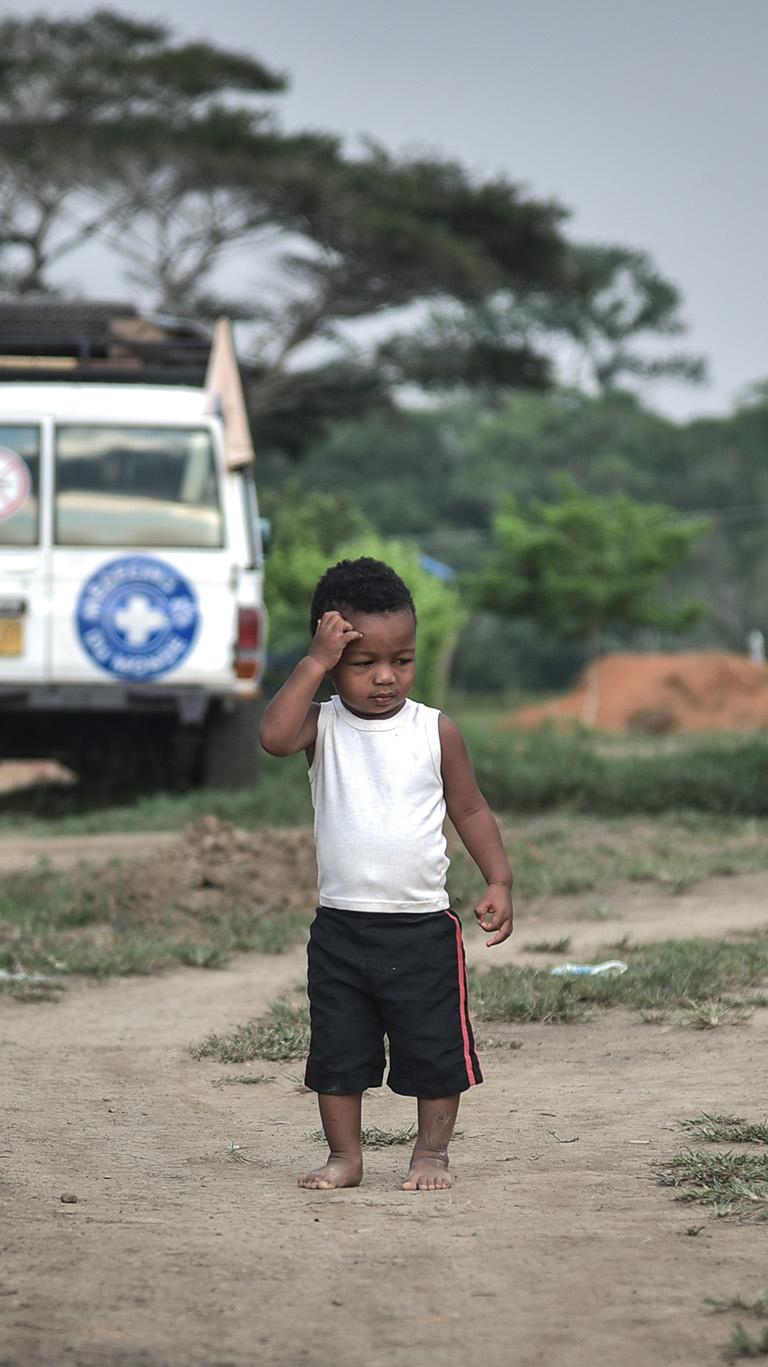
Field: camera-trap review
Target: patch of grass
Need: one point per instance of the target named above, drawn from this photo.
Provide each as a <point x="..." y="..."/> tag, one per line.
<point x="374" y="1138"/>
<point x="743" y="1344"/>
<point x="281" y="1034"/>
<point x="537" y="771"/>
<point x="682" y="974"/>
<point x="710" y="1015"/>
<point x="726" y="1129"/>
<point x="525" y="994"/>
<point x="245" y="1079"/>
<point x="757" y="1307"/>
<point x="560" y="946"/>
<point x="279" y="797"/>
<point x="556" y="856"/>
<point x="30" y="991"/>
<point x="547" y="768"/>
<point x="730" y="1183"/>
<point x="253" y="932"/>
<point x="95" y="921"/>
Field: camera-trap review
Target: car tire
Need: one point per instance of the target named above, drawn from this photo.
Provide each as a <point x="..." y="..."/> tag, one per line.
<point x="230" y="751"/>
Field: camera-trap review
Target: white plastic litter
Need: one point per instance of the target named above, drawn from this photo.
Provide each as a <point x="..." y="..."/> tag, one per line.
<point x="612" y="968"/>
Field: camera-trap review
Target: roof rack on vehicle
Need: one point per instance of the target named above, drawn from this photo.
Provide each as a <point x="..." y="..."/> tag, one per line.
<point x="81" y="339"/>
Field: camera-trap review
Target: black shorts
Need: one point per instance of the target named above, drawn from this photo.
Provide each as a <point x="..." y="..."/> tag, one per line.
<point x="373" y="974"/>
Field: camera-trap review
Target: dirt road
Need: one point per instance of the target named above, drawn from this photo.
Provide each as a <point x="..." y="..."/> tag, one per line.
<point x="20" y="852"/>
<point x="554" y="1248"/>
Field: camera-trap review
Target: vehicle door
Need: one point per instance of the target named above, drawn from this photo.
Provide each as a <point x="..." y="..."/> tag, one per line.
<point x="142" y="578"/>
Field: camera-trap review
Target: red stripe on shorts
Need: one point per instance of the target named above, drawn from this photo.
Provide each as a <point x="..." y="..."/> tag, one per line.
<point x="463" y="1001"/>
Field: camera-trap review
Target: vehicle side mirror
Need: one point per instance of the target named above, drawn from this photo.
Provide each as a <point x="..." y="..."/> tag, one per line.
<point x="265" y="523"/>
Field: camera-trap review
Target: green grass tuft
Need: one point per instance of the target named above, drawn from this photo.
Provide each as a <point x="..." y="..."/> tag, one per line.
<point x="281" y="1034"/>
<point x="710" y="1015"/>
<point x="726" y="1129"/>
<point x="730" y="1183"/>
<point x="525" y="994"/>
<point x="743" y="1344"/>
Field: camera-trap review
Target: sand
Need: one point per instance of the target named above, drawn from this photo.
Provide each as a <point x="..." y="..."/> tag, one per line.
<point x="554" y="1249"/>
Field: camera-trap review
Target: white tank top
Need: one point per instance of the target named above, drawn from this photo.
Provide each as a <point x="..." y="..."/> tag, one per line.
<point x="379" y="806"/>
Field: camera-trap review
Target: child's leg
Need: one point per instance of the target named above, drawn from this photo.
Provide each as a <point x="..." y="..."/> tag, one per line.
<point x="341" y="1122"/>
<point x="429" y="1160"/>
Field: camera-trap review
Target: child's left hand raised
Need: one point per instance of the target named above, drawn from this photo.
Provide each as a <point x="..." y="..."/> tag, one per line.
<point x="494" y="912"/>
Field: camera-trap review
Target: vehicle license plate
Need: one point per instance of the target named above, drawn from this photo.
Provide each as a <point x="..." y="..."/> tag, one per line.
<point x="10" y="636"/>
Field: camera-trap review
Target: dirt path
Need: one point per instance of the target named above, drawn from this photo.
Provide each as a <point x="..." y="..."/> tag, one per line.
<point x="19" y="852"/>
<point x="546" y="1253"/>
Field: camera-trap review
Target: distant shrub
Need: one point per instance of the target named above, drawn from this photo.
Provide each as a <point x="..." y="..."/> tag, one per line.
<point x="538" y="770"/>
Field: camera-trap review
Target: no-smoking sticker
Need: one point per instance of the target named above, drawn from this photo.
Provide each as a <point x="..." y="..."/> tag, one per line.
<point x="15" y="483"/>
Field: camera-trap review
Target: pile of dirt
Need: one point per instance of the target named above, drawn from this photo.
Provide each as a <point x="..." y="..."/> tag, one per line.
<point x="691" y="691"/>
<point x="268" y="868"/>
<point x="212" y="868"/>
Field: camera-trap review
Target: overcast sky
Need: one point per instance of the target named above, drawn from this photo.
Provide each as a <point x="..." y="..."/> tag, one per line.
<point x="647" y="118"/>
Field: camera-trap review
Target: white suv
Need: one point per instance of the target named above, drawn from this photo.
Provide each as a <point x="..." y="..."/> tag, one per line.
<point x="132" y="629"/>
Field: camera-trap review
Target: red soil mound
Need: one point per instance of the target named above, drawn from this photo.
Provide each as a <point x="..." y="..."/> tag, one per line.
<point x="707" y="691"/>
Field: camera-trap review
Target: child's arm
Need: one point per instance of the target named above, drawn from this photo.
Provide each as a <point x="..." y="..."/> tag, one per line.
<point x="474" y="821"/>
<point x="289" y="723"/>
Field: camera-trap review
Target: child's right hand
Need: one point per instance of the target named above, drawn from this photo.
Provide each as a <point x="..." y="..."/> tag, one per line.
<point x="331" y="639"/>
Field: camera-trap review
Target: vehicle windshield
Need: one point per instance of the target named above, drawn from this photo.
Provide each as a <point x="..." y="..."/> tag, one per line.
<point x="19" y="475"/>
<point x="136" y="486"/>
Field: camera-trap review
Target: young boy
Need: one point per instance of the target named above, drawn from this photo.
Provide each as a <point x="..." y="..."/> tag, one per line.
<point x="385" y="952"/>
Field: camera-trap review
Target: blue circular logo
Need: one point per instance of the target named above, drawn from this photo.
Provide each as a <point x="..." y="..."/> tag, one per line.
<point x="137" y="617"/>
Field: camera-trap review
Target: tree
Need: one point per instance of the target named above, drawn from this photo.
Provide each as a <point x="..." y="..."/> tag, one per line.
<point x="615" y="303"/>
<point x="585" y="563"/>
<point x="170" y="153"/>
<point x="607" y="311"/>
<point x="386" y="234"/>
<point x="78" y="99"/>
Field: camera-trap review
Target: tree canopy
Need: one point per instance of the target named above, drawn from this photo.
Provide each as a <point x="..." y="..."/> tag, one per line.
<point x="171" y="153"/>
<point x="584" y="563"/>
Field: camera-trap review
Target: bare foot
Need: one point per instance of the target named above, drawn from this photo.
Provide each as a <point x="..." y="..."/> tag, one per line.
<point x="337" y="1172"/>
<point x="428" y="1172"/>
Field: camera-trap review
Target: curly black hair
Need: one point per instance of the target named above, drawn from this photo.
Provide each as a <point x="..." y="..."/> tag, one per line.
<point x="363" y="585"/>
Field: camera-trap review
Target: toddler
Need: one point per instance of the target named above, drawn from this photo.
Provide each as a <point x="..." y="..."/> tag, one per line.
<point x="385" y="952"/>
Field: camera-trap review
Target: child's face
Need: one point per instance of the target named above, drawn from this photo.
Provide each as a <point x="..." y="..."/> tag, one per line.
<point x="375" y="675"/>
